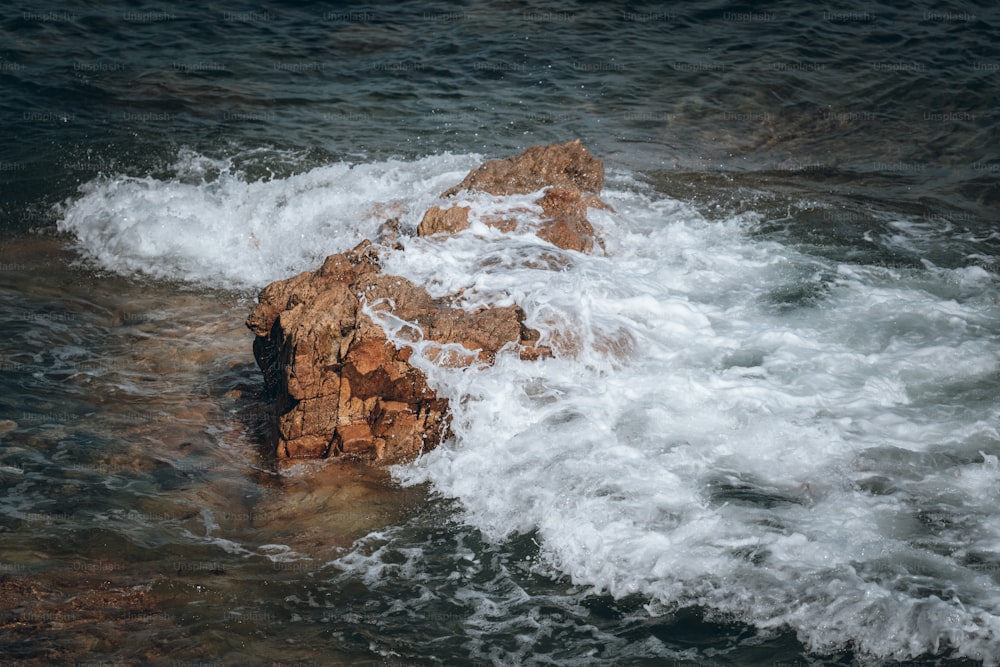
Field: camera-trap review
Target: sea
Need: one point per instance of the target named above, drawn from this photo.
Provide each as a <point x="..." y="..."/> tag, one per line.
<point x="769" y="435"/>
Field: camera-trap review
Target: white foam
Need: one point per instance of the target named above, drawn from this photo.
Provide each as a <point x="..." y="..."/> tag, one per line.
<point x="718" y="456"/>
<point x="730" y="423"/>
<point x="207" y="223"/>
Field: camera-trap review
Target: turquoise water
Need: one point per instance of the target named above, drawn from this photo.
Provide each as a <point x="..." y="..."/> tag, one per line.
<point x="791" y="458"/>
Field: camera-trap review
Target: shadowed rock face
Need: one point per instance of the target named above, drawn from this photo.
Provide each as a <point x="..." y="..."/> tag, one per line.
<point x="342" y="389"/>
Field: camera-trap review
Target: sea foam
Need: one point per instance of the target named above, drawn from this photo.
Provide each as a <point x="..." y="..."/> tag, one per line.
<point x="729" y="422"/>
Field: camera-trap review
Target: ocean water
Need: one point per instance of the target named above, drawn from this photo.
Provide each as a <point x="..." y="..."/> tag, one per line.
<point x="770" y="431"/>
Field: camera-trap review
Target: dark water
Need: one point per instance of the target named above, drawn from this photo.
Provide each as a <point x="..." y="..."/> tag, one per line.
<point x="863" y="137"/>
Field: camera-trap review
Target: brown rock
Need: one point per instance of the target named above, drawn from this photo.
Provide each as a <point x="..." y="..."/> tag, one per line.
<point x="449" y="220"/>
<point x="571" y="175"/>
<point x="566" y="223"/>
<point x="568" y="165"/>
<point x="342" y="388"/>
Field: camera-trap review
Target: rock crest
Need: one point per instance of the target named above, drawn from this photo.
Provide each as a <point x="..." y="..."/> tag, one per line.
<point x="573" y="179"/>
<point x="569" y="165"/>
<point x="342" y="388"/>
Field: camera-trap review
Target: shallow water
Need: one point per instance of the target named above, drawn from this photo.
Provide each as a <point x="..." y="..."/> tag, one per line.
<point x="770" y="431"/>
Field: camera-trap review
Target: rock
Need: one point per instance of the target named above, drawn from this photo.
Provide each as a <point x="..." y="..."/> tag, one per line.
<point x="566" y="222"/>
<point x="448" y="220"/>
<point x="568" y="165"/>
<point x="571" y="176"/>
<point x="342" y="388"/>
<point x="563" y="222"/>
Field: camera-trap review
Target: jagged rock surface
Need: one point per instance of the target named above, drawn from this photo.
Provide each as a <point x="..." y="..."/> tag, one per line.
<point x="572" y="178"/>
<point x="569" y="165"/>
<point x="343" y="389"/>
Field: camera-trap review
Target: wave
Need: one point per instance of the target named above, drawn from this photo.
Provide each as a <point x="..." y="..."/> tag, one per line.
<point x="730" y="423"/>
<point x="208" y="224"/>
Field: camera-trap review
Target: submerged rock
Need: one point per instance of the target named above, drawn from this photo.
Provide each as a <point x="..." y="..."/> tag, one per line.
<point x="342" y="388"/>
